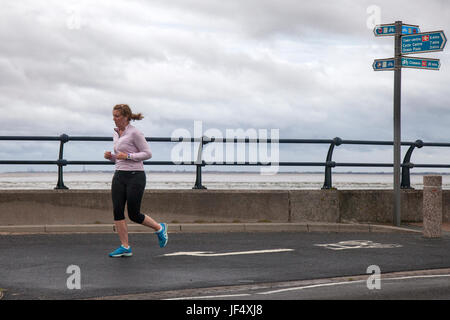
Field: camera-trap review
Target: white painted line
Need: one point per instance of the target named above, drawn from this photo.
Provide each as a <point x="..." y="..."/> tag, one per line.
<point x="303" y="287"/>
<point x="311" y="286"/>
<point x="187" y="253"/>
<point x="417" y="277"/>
<point x="211" y="297"/>
<point x="350" y="282"/>
<point x="212" y="254"/>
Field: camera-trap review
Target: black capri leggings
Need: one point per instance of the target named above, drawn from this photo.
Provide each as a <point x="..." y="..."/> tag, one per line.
<point x="128" y="187"/>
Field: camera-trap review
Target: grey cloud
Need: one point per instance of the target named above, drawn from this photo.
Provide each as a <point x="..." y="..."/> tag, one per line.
<point x="302" y="67"/>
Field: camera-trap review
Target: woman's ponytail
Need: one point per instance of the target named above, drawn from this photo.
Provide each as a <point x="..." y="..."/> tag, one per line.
<point x="126" y="112"/>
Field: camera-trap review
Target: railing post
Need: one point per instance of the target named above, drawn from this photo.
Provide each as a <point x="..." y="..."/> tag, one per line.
<point x="200" y="164"/>
<point x="330" y="164"/>
<point x="407" y="165"/>
<point x="61" y="162"/>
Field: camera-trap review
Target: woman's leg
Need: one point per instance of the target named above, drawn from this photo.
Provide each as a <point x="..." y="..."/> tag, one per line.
<point x="122" y="230"/>
<point x="135" y="192"/>
<point x="149" y="222"/>
<point x="119" y="198"/>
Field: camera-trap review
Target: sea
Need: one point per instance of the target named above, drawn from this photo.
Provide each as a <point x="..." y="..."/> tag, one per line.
<point x="211" y="180"/>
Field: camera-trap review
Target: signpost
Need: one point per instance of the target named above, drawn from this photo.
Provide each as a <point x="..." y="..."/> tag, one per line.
<point x="407" y="40"/>
<point x="397" y="123"/>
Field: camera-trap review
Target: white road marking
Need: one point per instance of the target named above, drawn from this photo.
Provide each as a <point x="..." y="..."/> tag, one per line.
<point x="420" y="276"/>
<point x="255" y="290"/>
<point x="350" y="282"/>
<point x="311" y="286"/>
<point x="357" y="244"/>
<point x="212" y="254"/>
<point x="210" y="297"/>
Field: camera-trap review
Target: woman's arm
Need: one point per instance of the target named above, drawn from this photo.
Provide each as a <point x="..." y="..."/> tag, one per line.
<point x="144" y="152"/>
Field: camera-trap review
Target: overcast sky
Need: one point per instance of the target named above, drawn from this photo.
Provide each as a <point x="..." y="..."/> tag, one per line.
<point x="303" y="67"/>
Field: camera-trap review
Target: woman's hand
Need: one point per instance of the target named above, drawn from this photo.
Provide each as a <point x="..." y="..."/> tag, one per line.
<point x="121" y="156"/>
<point x="108" y="155"/>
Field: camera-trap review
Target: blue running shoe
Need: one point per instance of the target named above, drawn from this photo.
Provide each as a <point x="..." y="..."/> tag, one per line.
<point x="121" y="252"/>
<point x="162" y="235"/>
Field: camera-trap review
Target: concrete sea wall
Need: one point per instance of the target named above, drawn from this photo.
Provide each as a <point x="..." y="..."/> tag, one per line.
<point x="32" y="207"/>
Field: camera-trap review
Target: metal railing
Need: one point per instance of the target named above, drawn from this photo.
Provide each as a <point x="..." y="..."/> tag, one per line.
<point x="328" y="164"/>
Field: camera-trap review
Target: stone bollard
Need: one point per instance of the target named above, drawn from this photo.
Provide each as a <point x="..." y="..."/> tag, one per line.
<point x="432" y="206"/>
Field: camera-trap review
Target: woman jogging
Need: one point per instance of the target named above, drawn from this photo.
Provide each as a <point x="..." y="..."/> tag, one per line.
<point x="128" y="183"/>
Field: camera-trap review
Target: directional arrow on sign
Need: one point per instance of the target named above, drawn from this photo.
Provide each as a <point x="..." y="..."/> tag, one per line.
<point x="212" y="254"/>
<point x="383" y="64"/>
<point x="423" y="42"/>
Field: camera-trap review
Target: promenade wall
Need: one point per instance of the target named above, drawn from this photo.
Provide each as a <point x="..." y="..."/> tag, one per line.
<point x="31" y="207"/>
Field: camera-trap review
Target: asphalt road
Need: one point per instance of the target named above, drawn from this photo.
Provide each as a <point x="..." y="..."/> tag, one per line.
<point x="222" y="266"/>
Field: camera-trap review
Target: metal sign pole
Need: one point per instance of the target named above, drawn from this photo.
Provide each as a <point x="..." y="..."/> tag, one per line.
<point x="397" y="123"/>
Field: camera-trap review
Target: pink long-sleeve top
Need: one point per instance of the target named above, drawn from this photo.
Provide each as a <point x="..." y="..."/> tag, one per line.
<point x="131" y="142"/>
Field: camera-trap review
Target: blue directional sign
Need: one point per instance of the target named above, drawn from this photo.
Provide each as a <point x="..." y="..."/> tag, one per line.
<point x="421" y="63"/>
<point x="407" y="62"/>
<point x="389" y="29"/>
<point x="384" y="64"/>
<point x="423" y="42"/>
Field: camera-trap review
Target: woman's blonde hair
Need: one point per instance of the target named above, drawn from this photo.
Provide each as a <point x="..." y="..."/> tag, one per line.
<point x="126" y="112"/>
